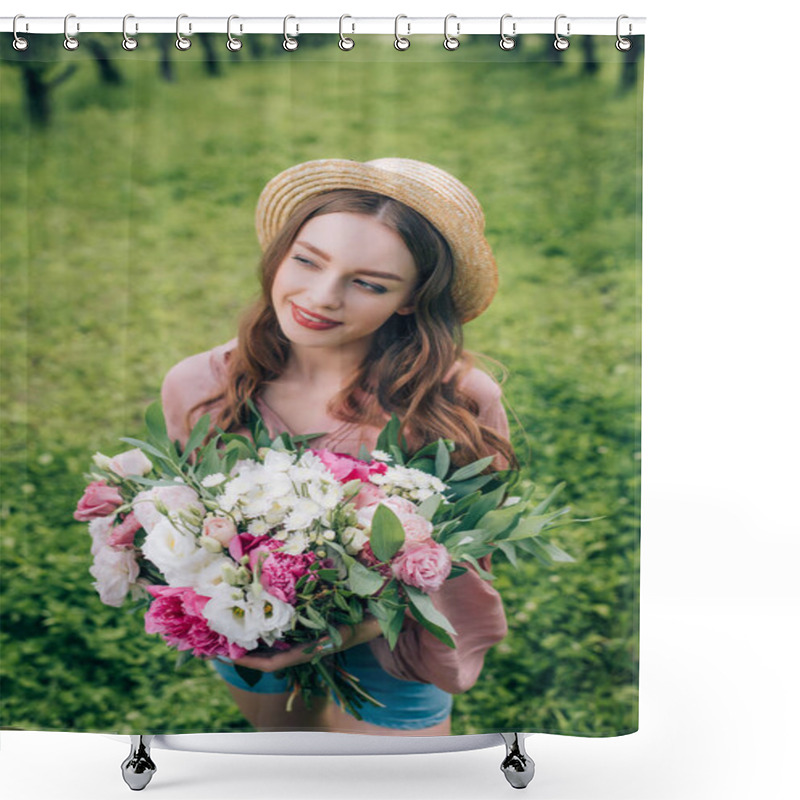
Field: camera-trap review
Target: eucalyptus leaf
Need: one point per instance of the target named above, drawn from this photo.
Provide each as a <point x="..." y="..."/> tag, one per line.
<point x="429" y="617"/>
<point x="199" y="432"/>
<point x="471" y="470"/>
<point x="442" y="460"/>
<point x="362" y="581"/>
<point x="156" y="424"/>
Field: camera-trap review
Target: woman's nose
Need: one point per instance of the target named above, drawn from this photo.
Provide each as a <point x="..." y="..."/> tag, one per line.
<point x="327" y="292"/>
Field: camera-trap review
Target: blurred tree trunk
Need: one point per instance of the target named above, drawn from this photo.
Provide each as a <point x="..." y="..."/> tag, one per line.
<point x="211" y="61"/>
<point x="630" y="64"/>
<point x="108" y="72"/>
<point x="590" y="65"/>
<point x="165" y="43"/>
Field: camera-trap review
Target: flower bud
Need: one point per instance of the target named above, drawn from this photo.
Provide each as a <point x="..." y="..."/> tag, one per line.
<point x="210" y="544"/>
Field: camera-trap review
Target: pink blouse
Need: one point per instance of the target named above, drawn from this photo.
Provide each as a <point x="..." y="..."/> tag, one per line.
<point x="472" y="605"/>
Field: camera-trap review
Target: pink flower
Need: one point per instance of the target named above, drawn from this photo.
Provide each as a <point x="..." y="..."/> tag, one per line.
<point x="177" y="614"/>
<point x="346" y="468"/>
<point x="417" y="528"/>
<point x="99" y="500"/>
<point x="220" y="528"/>
<point x="369" y="495"/>
<point x="122" y="535"/>
<point x="278" y="572"/>
<point x="399" y="505"/>
<point x="425" y="565"/>
<point x="131" y="462"/>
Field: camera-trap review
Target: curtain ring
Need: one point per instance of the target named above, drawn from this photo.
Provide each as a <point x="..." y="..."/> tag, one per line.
<point x="288" y="42"/>
<point x="451" y="42"/>
<point x="506" y="42"/>
<point x="623" y="44"/>
<point x="19" y="43"/>
<point x="400" y="42"/>
<point x="70" y="42"/>
<point x="560" y="42"/>
<point x="346" y="43"/>
<point x="182" y="43"/>
<point x="128" y="43"/>
<point x="233" y="44"/>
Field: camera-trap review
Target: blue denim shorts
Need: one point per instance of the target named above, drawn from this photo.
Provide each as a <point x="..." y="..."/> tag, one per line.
<point x="409" y="705"/>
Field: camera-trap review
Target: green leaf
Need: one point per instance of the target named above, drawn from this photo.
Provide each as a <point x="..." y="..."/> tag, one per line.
<point x="471" y="470"/>
<point x="250" y="676"/>
<point x="147" y="447"/>
<point x="509" y="551"/>
<point x="196" y="437"/>
<point x="184" y="656"/>
<point x="429" y="506"/>
<point x="390" y="618"/>
<point x="487" y="502"/>
<point x="429" y="616"/>
<point x="156" y="424"/>
<point x="387" y="535"/>
<point x="546" y="502"/>
<point x="362" y="581"/>
<point x="466" y="488"/>
<point x="442" y="460"/>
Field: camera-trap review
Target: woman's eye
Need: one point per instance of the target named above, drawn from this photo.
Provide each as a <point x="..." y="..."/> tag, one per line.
<point x="304" y="261"/>
<point x="374" y="287"/>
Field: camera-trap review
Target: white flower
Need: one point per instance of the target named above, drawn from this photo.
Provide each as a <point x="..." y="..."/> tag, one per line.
<point x="380" y="455"/>
<point x="244" y="616"/>
<point x="409" y="482"/>
<point x="354" y="539"/>
<point x="114" y="571"/>
<point x="101" y="461"/>
<point x="99" y="528"/>
<point x="153" y="506"/>
<point x="213" y="480"/>
<point x="175" y="552"/>
<point x="304" y="512"/>
<point x="510" y="501"/>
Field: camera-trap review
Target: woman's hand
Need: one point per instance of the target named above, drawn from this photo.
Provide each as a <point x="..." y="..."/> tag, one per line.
<point x="351" y="636"/>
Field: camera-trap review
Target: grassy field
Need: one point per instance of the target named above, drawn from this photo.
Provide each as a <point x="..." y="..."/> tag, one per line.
<point x="128" y="243"/>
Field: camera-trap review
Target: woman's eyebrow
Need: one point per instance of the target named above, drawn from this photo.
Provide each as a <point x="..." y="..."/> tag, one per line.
<point x="323" y="255"/>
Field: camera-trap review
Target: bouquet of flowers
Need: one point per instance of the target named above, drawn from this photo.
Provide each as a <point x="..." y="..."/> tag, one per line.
<point x="241" y="545"/>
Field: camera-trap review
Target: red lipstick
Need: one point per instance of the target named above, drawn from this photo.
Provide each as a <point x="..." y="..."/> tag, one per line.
<point x="310" y="320"/>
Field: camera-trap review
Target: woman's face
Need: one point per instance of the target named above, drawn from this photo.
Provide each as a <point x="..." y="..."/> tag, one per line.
<point x="342" y="278"/>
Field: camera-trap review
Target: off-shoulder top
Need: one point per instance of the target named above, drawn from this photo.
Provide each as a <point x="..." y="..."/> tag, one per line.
<point x="472" y="605"/>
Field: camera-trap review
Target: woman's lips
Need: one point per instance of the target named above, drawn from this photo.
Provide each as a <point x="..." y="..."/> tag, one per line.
<point x="309" y="320"/>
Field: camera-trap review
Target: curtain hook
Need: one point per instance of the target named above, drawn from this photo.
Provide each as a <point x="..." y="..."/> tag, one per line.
<point x="70" y="42"/>
<point x="19" y="43"/>
<point x="400" y="42"/>
<point x="288" y="42"/>
<point x="181" y="42"/>
<point x="346" y="43"/>
<point x="623" y="44"/>
<point x="507" y="42"/>
<point x="233" y="44"/>
<point x="451" y="42"/>
<point x="560" y="42"/>
<point x="128" y="43"/>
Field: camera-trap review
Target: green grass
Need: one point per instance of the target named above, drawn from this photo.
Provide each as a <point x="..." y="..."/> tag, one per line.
<point x="128" y="243"/>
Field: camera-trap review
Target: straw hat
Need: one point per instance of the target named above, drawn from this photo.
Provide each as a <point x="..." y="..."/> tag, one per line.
<point x="438" y="196"/>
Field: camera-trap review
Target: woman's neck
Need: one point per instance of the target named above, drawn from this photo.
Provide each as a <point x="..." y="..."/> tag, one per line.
<point x="320" y="365"/>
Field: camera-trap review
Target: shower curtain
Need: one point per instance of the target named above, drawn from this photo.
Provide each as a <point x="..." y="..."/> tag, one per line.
<point x="129" y="185"/>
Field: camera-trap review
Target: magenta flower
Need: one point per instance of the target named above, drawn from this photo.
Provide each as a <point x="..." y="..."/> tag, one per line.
<point x="346" y="468"/>
<point x="177" y="614"/>
<point x="278" y="572"/>
<point x="122" y="535"/>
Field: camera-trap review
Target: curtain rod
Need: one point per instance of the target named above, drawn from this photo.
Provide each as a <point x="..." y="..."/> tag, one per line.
<point x="298" y="25"/>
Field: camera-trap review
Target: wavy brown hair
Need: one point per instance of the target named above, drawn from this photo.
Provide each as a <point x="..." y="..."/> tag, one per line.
<point x="410" y="356"/>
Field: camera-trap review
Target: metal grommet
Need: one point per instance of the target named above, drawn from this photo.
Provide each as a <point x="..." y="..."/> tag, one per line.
<point x="560" y="42"/>
<point x="622" y="44"/>
<point x="233" y="44"/>
<point x="451" y="42"/>
<point x="70" y="42"/>
<point x="400" y="42"/>
<point x="181" y="42"/>
<point x="506" y="42"/>
<point x="128" y="43"/>
<point x="346" y="43"/>
<point x="19" y="43"/>
<point x="288" y="42"/>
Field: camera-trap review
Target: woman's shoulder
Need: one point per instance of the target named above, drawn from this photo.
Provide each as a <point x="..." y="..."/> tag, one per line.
<point x="194" y="379"/>
<point x="475" y="382"/>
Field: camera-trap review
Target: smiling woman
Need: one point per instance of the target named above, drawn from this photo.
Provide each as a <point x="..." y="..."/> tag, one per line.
<point x="360" y="318"/>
